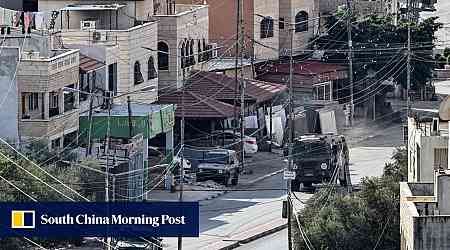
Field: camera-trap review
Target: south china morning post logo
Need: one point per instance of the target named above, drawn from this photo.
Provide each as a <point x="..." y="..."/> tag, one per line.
<point x="89" y="219"/>
<point x="23" y="219"/>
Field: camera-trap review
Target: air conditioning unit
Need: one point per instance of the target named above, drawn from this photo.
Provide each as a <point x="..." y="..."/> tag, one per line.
<point x="99" y="36"/>
<point x="88" y="25"/>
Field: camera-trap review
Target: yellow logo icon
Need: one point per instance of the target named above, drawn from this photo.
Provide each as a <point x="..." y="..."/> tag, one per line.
<point x="22" y="219"/>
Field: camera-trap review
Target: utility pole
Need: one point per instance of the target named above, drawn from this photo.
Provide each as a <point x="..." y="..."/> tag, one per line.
<point x="243" y="83"/>
<point x="91" y="104"/>
<point x="108" y="132"/>
<point x="236" y="65"/>
<point x="408" y="66"/>
<point x="180" y="194"/>
<point x="291" y="136"/>
<point x="350" y="59"/>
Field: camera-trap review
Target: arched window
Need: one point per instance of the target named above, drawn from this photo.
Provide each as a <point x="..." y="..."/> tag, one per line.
<point x="191" y="53"/>
<point x="151" y="68"/>
<point x="205" y="50"/>
<point x="183" y="55"/>
<point x="163" y="56"/>
<point x="267" y="27"/>
<point x="137" y="73"/>
<point x="199" y="51"/>
<point x="301" y="21"/>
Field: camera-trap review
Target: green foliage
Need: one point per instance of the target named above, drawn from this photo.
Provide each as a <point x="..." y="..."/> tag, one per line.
<point x="363" y="220"/>
<point x="378" y="43"/>
<point x="33" y="187"/>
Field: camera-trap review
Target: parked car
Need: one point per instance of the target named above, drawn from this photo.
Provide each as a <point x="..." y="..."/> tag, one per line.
<point x="221" y="166"/>
<point x="228" y="137"/>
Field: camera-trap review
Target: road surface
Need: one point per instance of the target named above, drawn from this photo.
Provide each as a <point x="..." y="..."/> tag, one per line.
<point x="276" y="241"/>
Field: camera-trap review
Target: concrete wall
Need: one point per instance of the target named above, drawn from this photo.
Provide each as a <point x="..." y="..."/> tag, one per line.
<point x="174" y="30"/>
<point x="431" y="232"/>
<point x="8" y="94"/>
<point x="141" y="9"/>
<point x="288" y="11"/>
<point x="422" y="171"/>
<point x="270" y="46"/>
<point x="43" y="76"/>
<point x="130" y="49"/>
<point x="407" y="213"/>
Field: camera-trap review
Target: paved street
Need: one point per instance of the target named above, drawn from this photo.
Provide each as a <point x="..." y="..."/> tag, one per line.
<point x="276" y="241"/>
<point x="367" y="158"/>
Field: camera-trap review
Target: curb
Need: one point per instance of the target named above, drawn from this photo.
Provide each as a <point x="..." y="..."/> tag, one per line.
<point x="254" y="237"/>
<point x="263" y="177"/>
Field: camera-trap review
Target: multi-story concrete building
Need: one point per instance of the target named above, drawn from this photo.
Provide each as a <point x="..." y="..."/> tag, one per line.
<point x="302" y="19"/>
<point x="122" y="32"/>
<point x="427" y="148"/>
<point x="183" y="43"/>
<point x="37" y="90"/>
<point x="261" y="26"/>
<point x="425" y="214"/>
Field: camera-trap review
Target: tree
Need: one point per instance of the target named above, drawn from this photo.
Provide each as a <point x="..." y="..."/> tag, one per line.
<point x="379" y="51"/>
<point x="367" y="219"/>
<point x="35" y="188"/>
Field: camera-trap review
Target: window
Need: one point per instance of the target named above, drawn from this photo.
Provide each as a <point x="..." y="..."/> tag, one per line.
<point x="151" y="69"/>
<point x="163" y="56"/>
<point x="267" y="27"/>
<point x="69" y="99"/>
<point x="33" y="101"/>
<point x="301" y="21"/>
<point x="53" y="104"/>
<point x="191" y="53"/>
<point x="440" y="158"/>
<point x="281" y="24"/>
<point x="137" y="73"/>
<point x="199" y="51"/>
<point x="205" y="51"/>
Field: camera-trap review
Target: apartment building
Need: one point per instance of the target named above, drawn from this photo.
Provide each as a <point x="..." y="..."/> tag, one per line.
<point x="183" y="43"/>
<point x="362" y="8"/>
<point x="425" y="213"/>
<point x="302" y="19"/>
<point x="261" y="26"/>
<point x="122" y="32"/>
<point x="37" y="86"/>
<point x="427" y="148"/>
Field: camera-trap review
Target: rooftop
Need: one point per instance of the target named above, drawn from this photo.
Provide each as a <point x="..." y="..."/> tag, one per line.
<point x="221" y="64"/>
<point x="197" y="106"/>
<point x="122" y="110"/>
<point x="222" y="87"/>
<point x="88" y="64"/>
<point x="92" y="7"/>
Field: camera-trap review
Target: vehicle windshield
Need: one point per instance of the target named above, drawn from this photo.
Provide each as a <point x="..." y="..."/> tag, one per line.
<point x="307" y="150"/>
<point x="215" y="158"/>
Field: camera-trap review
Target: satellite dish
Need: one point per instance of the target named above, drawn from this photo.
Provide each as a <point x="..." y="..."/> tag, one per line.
<point x="444" y="109"/>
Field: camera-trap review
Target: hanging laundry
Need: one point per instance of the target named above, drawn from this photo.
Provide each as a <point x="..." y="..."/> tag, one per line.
<point x="39" y="20"/>
<point x="17" y="17"/>
<point x="8" y="17"/>
<point x="27" y="21"/>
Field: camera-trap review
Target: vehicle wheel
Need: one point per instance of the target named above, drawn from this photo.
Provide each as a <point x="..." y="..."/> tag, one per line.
<point x="235" y="180"/>
<point x="295" y="185"/>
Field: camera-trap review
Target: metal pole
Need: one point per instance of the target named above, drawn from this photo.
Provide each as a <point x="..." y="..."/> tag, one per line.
<point x="270" y="126"/>
<point x="291" y="137"/>
<point x="113" y="188"/>
<point x="243" y="83"/>
<point x="236" y="65"/>
<point x="350" y="57"/>
<point x="180" y="197"/>
<point x="91" y="104"/>
<point x="130" y="121"/>
<point x="108" y="132"/>
<point x="408" y="70"/>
